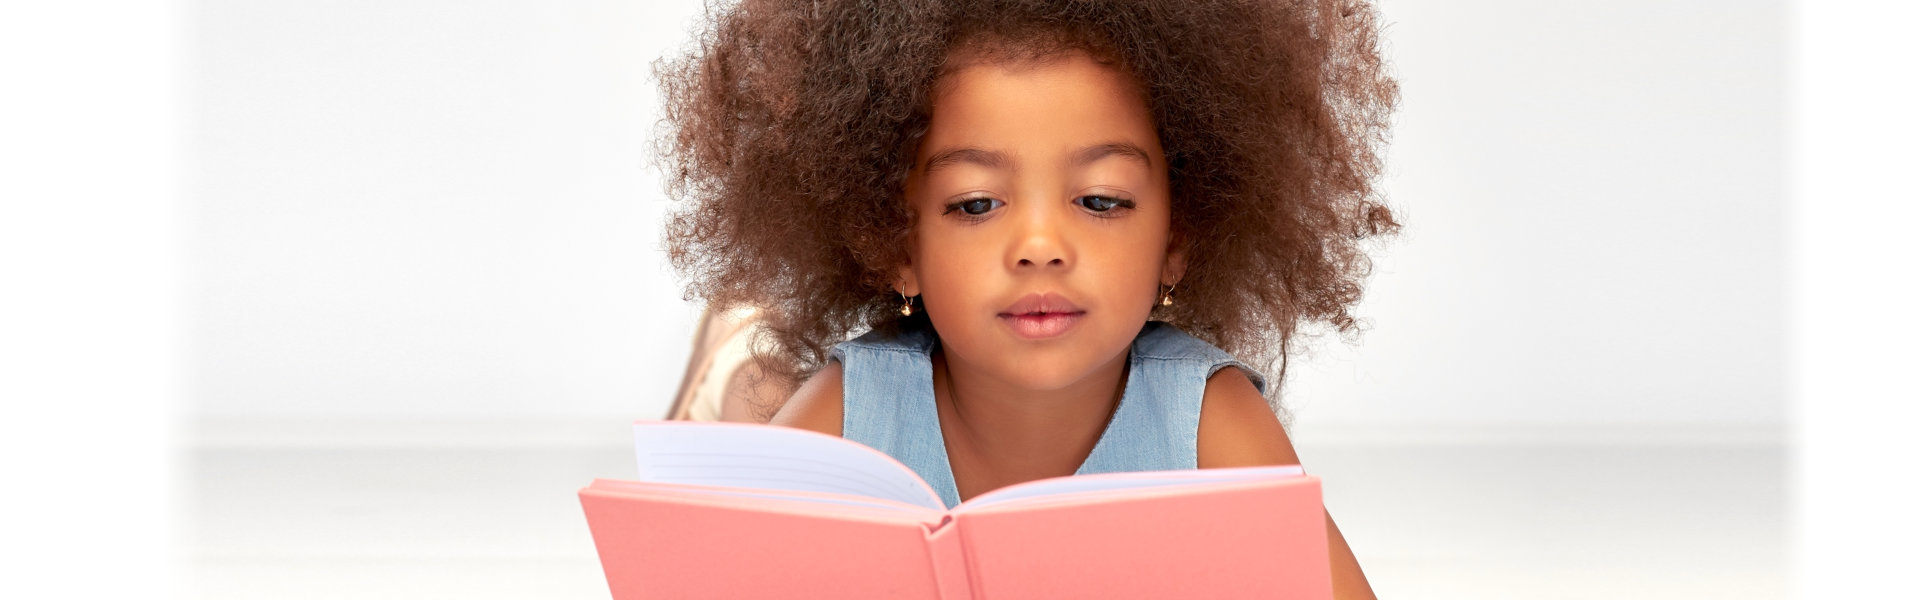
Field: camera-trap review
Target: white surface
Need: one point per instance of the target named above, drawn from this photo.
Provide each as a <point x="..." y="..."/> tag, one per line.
<point x="1854" y="322"/>
<point x="90" y="296"/>
<point x="1435" y="523"/>
<point x="420" y="210"/>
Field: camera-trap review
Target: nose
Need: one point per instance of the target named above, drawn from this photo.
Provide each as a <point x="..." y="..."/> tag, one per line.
<point x="1041" y="240"/>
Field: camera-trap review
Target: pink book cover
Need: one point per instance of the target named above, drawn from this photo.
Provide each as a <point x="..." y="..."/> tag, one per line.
<point x="761" y="511"/>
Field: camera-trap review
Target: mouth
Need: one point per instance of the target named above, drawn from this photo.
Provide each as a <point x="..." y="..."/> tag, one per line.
<point x="1040" y="316"/>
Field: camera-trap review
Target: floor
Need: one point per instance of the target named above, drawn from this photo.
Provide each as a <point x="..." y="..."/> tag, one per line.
<point x="1429" y="522"/>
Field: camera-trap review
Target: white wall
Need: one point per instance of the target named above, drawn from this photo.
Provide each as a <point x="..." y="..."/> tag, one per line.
<point x="1594" y="207"/>
<point x="424" y="210"/>
<point x="432" y="209"/>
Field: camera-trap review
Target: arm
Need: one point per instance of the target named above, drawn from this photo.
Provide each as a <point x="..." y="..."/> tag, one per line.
<point x="751" y="392"/>
<point x="1237" y="429"/>
<point x="816" y="406"/>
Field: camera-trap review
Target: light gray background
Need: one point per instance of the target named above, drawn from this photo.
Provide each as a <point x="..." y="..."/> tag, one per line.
<point x="407" y="211"/>
<point x="427" y="297"/>
<point x="93" y="270"/>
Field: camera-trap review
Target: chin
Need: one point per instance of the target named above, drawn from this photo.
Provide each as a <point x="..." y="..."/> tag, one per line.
<point x="1056" y="369"/>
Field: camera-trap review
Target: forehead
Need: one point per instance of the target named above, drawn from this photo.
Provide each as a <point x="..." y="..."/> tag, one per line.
<point x="1035" y="110"/>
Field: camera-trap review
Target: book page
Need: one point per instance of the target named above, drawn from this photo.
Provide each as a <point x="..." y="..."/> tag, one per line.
<point x="1123" y="481"/>
<point x="653" y="488"/>
<point x="771" y="457"/>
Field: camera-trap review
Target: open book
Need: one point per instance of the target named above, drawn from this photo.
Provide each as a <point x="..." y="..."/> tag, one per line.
<point x="763" y="511"/>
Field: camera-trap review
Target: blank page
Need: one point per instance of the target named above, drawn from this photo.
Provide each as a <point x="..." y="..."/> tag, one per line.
<point x="771" y="457"/>
<point x="1122" y="481"/>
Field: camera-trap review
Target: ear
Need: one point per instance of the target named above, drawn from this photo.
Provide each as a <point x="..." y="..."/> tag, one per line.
<point x="1175" y="266"/>
<point x="906" y="282"/>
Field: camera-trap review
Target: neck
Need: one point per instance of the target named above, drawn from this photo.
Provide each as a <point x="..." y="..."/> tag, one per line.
<point x="1022" y="429"/>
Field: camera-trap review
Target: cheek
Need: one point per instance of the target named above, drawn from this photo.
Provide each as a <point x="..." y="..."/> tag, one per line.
<point x="1146" y="254"/>
<point x="1129" y="268"/>
<point x="946" y="264"/>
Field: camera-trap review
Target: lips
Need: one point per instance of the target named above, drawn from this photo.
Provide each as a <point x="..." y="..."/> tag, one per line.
<point x="1039" y="316"/>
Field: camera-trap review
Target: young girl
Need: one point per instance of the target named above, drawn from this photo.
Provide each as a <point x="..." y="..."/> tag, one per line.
<point x="1058" y="223"/>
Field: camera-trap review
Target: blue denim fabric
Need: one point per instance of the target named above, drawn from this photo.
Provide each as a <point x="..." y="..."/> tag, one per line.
<point x="887" y="390"/>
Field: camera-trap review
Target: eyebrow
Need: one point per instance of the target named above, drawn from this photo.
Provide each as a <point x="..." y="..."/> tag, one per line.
<point x="984" y="158"/>
<point x="1093" y="153"/>
<point x="998" y="160"/>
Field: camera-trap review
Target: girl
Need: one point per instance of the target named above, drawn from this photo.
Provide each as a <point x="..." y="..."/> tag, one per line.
<point x="1059" y="222"/>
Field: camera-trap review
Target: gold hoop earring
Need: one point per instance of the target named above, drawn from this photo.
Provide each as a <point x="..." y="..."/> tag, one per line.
<point x="906" y="306"/>
<point x="1167" y="298"/>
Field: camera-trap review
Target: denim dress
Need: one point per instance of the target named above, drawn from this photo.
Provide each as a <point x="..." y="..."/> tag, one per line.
<point x="887" y="387"/>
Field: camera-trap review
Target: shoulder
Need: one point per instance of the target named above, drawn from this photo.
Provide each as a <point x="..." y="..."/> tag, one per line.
<point x="1158" y="339"/>
<point x="905" y="335"/>
<point x="816" y="405"/>
<point x="1237" y="428"/>
<point x="1166" y="342"/>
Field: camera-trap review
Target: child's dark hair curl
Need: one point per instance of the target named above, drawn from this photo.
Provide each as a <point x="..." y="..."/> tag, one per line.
<point x="792" y="125"/>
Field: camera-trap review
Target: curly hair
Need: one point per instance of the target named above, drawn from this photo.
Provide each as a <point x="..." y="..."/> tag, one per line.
<point x="790" y="127"/>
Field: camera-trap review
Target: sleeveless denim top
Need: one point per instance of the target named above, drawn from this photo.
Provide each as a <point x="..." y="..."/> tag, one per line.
<point x="887" y="391"/>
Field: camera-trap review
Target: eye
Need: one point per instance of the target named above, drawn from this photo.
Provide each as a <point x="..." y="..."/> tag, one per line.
<point x="974" y="207"/>
<point x="1102" y="204"/>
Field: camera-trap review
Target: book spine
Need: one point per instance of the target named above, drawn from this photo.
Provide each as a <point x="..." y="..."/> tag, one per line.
<point x="949" y="556"/>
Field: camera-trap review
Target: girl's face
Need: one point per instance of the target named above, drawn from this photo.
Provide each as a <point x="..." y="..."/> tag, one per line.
<point x="1041" y="239"/>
